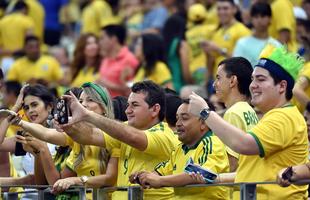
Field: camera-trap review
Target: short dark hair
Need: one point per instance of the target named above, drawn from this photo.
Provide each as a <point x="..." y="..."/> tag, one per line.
<point x="154" y="94"/>
<point x="289" y="89"/>
<point x="19" y="5"/>
<point x="30" y="38"/>
<point x="232" y="2"/>
<point x="119" y="106"/>
<point x="41" y="92"/>
<point x="12" y="87"/>
<point x="173" y="101"/>
<point x="119" y="31"/>
<point x="261" y="9"/>
<point x="242" y="69"/>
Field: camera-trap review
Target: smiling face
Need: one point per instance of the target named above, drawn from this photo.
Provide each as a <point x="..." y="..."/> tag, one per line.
<point x="90" y="104"/>
<point x="265" y="93"/>
<point x="140" y="115"/>
<point x="188" y="126"/>
<point x="92" y="48"/>
<point x="226" y="12"/>
<point x="35" y="109"/>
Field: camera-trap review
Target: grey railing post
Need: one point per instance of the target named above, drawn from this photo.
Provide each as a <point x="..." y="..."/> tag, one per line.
<point x="10" y="196"/>
<point x="82" y="193"/>
<point x="100" y="194"/>
<point x="135" y="193"/>
<point x="247" y="191"/>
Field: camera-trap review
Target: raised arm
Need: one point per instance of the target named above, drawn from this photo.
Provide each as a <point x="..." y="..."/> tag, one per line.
<point x="233" y="137"/>
<point x="120" y="131"/>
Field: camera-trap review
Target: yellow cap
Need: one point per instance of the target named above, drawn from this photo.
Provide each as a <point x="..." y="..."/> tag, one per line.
<point x="197" y="12"/>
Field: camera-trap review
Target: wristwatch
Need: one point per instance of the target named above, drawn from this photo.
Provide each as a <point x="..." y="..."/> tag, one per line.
<point x="84" y="179"/>
<point x="204" y="113"/>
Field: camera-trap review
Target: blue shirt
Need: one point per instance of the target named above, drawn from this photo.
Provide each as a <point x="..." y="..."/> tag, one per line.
<point x="52" y="9"/>
<point x="155" y="18"/>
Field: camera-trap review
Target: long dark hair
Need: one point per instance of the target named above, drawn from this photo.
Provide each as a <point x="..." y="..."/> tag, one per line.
<point x="153" y="51"/>
<point x="79" y="60"/>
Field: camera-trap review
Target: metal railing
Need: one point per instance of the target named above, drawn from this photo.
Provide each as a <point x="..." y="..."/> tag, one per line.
<point x="247" y="190"/>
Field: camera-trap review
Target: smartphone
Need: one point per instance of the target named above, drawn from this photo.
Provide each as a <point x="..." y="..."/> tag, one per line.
<point x="62" y="111"/>
<point x="6" y="113"/>
<point x="19" y="150"/>
<point x="288" y="173"/>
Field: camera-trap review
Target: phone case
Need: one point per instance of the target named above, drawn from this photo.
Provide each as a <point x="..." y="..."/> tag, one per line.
<point x="208" y="175"/>
<point x="62" y="111"/>
<point x="288" y="173"/>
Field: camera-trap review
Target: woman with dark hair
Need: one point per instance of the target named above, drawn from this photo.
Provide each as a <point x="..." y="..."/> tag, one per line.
<point x="151" y="54"/>
<point x="177" y="51"/>
<point x="86" y="61"/>
<point x="86" y="165"/>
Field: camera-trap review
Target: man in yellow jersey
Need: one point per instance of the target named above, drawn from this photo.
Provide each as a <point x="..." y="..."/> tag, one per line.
<point x="231" y="85"/>
<point x="34" y="66"/>
<point x="224" y="38"/>
<point x="279" y="139"/>
<point x="197" y="143"/>
<point x="14" y="28"/>
<point x="144" y="142"/>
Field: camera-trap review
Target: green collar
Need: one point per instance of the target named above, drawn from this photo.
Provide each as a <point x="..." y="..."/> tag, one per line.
<point x="186" y="148"/>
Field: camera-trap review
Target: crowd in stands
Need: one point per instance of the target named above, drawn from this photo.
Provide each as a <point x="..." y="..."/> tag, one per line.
<point x="151" y="85"/>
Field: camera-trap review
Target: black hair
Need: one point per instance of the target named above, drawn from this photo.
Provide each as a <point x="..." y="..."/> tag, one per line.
<point x="289" y="89"/>
<point x="12" y="87"/>
<point x="41" y="92"/>
<point x="153" y="51"/>
<point x="20" y="5"/>
<point x="1" y="74"/>
<point x="154" y="95"/>
<point x="173" y="101"/>
<point x="118" y="31"/>
<point x="261" y="9"/>
<point x="232" y="2"/>
<point x="30" y="38"/>
<point x="242" y="69"/>
<point x="174" y="28"/>
<point x="119" y="106"/>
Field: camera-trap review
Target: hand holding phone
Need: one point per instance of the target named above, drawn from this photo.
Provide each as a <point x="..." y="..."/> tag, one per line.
<point x="62" y="112"/>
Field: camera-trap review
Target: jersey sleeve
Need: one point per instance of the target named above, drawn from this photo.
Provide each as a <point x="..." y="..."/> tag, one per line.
<point x="111" y="144"/>
<point x="273" y="133"/>
<point x="166" y="167"/>
<point x="161" y="141"/>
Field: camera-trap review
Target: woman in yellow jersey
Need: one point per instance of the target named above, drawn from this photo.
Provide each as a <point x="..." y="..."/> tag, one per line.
<point x="150" y="52"/>
<point x="86" y="60"/>
<point x="94" y="166"/>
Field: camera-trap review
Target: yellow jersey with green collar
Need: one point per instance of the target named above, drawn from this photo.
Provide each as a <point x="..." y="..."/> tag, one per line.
<point x="90" y="164"/>
<point x="226" y="38"/>
<point x="304" y="75"/>
<point x="242" y="116"/>
<point x="209" y="153"/>
<point x="281" y="136"/>
<point x="160" y="75"/>
<point x="161" y="142"/>
<point x="46" y="67"/>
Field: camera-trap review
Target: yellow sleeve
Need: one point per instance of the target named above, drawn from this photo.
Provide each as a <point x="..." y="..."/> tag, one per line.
<point x="70" y="160"/>
<point x="115" y="153"/>
<point x="161" y="141"/>
<point x="162" y="74"/>
<point x="111" y="143"/>
<point x="69" y="141"/>
<point x="166" y="167"/>
<point x="139" y="75"/>
<point x="273" y="133"/>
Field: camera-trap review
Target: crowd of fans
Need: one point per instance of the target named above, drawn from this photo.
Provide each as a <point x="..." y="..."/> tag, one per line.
<point x="151" y="85"/>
